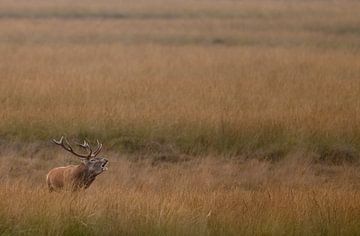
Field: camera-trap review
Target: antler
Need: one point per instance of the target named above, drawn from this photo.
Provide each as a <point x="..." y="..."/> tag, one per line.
<point x="98" y="149"/>
<point x="86" y="145"/>
<point x="65" y="144"/>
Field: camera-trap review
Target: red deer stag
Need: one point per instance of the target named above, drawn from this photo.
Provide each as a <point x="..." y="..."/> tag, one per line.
<point x="75" y="177"/>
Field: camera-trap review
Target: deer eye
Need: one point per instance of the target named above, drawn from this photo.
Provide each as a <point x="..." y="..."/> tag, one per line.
<point x="92" y="160"/>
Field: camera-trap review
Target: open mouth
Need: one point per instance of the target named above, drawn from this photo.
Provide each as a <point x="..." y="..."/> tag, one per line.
<point x="104" y="165"/>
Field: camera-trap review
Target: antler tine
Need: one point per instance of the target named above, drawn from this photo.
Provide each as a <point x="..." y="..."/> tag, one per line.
<point x="83" y="145"/>
<point x="98" y="149"/>
<point x="58" y="142"/>
<point x="86" y="145"/>
<point x="61" y="143"/>
<point x="68" y="147"/>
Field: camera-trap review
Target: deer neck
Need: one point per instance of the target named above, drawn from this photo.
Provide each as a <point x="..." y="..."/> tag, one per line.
<point x="85" y="177"/>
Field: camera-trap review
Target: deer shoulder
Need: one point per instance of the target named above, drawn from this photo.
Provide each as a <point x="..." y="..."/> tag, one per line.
<point x="75" y="177"/>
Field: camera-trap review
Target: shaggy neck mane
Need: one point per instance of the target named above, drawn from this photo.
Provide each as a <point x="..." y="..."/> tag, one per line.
<point x="84" y="176"/>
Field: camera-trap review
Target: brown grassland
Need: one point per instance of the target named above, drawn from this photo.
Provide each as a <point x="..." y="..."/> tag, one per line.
<point x="218" y="117"/>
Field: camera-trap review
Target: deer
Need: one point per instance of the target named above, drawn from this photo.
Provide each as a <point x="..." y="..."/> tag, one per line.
<point x="77" y="177"/>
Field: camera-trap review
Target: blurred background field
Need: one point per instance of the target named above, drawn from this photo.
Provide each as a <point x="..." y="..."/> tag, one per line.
<point x="218" y="117"/>
<point x="228" y="77"/>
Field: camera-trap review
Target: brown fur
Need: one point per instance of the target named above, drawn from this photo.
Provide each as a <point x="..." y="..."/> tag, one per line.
<point x="72" y="177"/>
<point x="75" y="177"/>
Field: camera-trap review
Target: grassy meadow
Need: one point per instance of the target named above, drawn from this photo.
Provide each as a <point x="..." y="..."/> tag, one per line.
<point x="202" y="196"/>
<point x="218" y="117"/>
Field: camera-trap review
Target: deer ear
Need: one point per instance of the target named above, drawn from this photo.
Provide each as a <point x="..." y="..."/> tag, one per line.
<point x="83" y="159"/>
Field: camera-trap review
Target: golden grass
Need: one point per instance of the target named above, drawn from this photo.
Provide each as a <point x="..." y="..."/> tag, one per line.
<point x="204" y="77"/>
<point x="138" y="212"/>
<point x="165" y="94"/>
<point x="207" y="196"/>
<point x="264" y="93"/>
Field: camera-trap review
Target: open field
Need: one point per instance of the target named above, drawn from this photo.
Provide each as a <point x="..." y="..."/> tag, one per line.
<point x="203" y="196"/>
<point x="218" y="117"/>
<point x="203" y="77"/>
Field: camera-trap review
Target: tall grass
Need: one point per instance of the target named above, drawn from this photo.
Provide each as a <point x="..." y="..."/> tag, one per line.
<point x="264" y="93"/>
<point x="225" y="99"/>
<point x="135" y="212"/>
<point x="206" y="196"/>
<point x="203" y="77"/>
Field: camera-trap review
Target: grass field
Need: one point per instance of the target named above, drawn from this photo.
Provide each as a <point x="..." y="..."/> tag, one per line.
<point x="200" y="76"/>
<point x="202" y="196"/>
<point x="247" y="110"/>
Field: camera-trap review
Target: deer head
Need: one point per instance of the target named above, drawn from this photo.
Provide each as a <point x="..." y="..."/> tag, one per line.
<point x="77" y="176"/>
